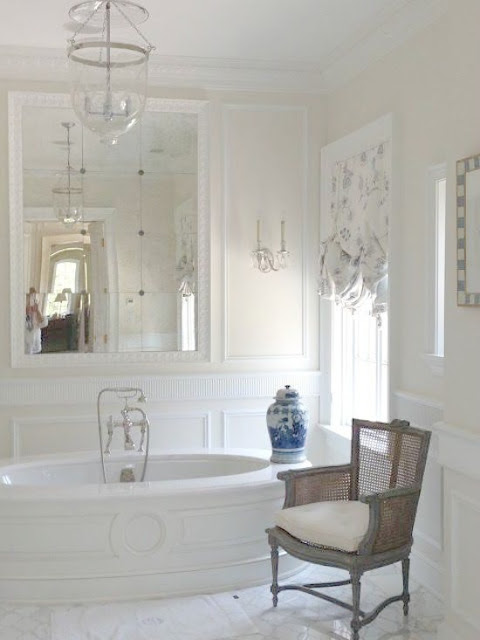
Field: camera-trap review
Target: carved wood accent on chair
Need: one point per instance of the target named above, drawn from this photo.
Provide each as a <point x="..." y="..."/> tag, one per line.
<point x="358" y="516"/>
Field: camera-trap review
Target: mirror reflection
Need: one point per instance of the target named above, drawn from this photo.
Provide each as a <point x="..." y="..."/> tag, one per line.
<point x="468" y="230"/>
<point x="123" y="278"/>
<point x="472" y="232"/>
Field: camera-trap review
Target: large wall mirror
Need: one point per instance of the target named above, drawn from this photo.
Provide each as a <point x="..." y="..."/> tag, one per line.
<point x="129" y="281"/>
<point x="468" y="231"/>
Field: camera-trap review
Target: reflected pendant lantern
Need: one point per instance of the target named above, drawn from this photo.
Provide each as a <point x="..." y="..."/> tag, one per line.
<point x="108" y="70"/>
<point x="68" y="191"/>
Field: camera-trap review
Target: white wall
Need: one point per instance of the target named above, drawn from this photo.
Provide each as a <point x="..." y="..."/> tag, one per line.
<point x="430" y="86"/>
<point x="263" y="158"/>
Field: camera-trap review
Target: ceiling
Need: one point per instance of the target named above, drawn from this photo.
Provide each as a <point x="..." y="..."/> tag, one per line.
<point x="322" y="39"/>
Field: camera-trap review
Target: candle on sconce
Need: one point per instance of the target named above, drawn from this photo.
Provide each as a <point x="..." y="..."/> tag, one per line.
<point x="258" y="231"/>
<point x="282" y="231"/>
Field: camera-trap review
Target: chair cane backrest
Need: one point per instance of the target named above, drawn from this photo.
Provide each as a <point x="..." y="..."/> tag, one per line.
<point x="387" y="456"/>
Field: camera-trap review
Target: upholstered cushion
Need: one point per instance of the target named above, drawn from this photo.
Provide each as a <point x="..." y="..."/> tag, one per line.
<point x="340" y="524"/>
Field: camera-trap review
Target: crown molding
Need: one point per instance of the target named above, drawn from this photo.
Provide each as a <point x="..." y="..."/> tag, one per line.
<point x="343" y="64"/>
<point x="348" y="61"/>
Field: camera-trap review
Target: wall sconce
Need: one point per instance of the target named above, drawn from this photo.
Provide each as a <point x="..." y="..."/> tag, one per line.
<point x="264" y="260"/>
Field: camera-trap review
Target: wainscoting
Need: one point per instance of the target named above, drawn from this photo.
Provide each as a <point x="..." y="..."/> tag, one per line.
<point x="459" y="453"/>
<point x="191" y="411"/>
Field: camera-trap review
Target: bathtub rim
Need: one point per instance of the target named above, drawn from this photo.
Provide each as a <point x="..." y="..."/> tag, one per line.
<point x="97" y="491"/>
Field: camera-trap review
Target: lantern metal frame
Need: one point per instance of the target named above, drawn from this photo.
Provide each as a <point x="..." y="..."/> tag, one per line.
<point x="106" y="118"/>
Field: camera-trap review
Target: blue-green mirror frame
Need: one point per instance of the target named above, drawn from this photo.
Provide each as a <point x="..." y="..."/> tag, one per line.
<point x="468" y="230"/>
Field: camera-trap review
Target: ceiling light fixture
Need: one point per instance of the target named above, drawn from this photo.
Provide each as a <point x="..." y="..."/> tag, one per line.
<point x="68" y="191"/>
<point x="108" y="73"/>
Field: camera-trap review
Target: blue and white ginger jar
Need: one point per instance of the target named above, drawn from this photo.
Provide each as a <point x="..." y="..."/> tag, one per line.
<point x="287" y="422"/>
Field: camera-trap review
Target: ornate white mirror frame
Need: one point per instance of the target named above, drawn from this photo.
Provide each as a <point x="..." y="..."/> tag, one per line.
<point x="17" y="102"/>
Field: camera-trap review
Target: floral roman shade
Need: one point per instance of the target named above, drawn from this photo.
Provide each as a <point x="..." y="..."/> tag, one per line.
<point x="354" y="253"/>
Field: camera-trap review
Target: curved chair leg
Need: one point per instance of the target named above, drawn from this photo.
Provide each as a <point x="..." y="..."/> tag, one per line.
<point x="274" y="559"/>
<point x="405" y="594"/>
<point x="355" y="623"/>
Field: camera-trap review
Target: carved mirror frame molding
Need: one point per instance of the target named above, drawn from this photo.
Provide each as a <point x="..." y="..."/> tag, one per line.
<point x="16" y="101"/>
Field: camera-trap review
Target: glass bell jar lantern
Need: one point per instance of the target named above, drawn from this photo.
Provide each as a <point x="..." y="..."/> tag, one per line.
<point x="108" y="71"/>
<point x="67" y="194"/>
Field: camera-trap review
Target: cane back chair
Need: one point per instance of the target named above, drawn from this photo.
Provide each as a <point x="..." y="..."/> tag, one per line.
<point x="358" y="516"/>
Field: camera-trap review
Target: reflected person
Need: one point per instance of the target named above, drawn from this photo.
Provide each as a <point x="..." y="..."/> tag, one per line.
<point x="34" y="323"/>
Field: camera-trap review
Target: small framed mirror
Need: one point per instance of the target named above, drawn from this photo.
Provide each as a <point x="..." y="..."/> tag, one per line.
<point x="468" y="230"/>
<point x="128" y="280"/>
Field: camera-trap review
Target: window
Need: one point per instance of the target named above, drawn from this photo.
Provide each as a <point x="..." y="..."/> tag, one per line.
<point x="440" y="194"/>
<point x="359" y="366"/>
<point x="436" y="204"/>
<point x="356" y="177"/>
<point x="65" y="275"/>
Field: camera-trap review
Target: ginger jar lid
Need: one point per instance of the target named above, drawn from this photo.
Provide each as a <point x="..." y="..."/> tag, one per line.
<point x="287" y="394"/>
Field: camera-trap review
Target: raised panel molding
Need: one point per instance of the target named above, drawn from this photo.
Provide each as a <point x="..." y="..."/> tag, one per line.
<point x="88" y="535"/>
<point x="262" y="210"/>
<point x="459" y="450"/>
<point x="181" y="430"/>
<point x="172" y="388"/>
<point x="237" y="423"/>
<point x="60" y="434"/>
<point x="464" y="525"/>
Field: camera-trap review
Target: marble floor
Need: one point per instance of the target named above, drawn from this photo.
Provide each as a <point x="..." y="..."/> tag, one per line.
<point x="297" y="617"/>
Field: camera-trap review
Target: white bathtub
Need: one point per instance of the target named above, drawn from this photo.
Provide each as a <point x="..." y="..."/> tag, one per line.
<point x="197" y="524"/>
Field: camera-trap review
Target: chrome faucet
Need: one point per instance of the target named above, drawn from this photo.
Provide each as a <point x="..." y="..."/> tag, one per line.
<point x="126" y="423"/>
<point x="142" y="423"/>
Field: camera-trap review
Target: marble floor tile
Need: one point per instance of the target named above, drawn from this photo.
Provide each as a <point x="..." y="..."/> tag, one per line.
<point x="297" y="617"/>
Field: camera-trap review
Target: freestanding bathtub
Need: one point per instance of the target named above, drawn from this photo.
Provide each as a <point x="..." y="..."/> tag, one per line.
<point x="197" y="524"/>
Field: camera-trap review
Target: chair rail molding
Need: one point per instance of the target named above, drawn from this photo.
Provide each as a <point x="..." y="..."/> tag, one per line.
<point x="459" y="450"/>
<point x="174" y="388"/>
<point x="420" y="410"/>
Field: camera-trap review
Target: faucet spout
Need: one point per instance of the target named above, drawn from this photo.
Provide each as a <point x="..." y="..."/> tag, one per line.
<point x="127" y="474"/>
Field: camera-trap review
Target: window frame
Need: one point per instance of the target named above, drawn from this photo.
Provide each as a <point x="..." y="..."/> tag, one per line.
<point x="435" y="269"/>
<point x="345" y="364"/>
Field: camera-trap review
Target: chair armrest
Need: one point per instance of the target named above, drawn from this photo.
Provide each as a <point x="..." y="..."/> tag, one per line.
<point x="392" y="516"/>
<point x="316" y="484"/>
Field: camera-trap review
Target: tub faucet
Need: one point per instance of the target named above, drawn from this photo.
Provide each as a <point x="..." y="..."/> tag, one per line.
<point x="127" y="424"/>
<point x="130" y="416"/>
<point x="142" y="422"/>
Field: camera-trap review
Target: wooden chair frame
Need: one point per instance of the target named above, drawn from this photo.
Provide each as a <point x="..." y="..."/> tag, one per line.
<point x="400" y="465"/>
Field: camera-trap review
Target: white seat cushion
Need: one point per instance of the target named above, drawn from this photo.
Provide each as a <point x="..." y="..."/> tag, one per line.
<point x="340" y="524"/>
